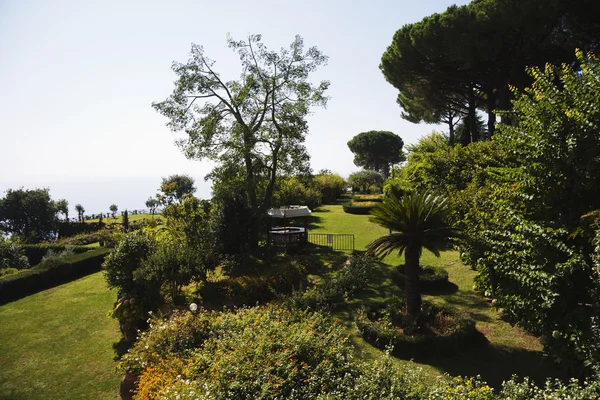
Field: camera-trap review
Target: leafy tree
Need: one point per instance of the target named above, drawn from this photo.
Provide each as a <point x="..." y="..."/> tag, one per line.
<point x="363" y="180"/>
<point x="63" y="207"/>
<point x="416" y="221"/>
<point x="113" y="209"/>
<point x="80" y="211"/>
<point x="331" y="186"/>
<point x="125" y="221"/>
<point x="257" y="122"/>
<point x="29" y="214"/>
<point x="452" y="63"/>
<point x="377" y="150"/>
<point x="175" y="187"/>
<point x="152" y="204"/>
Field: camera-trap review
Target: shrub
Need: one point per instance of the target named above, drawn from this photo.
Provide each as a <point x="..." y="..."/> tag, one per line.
<point x="268" y="353"/>
<point x="36" y="252"/>
<point x="121" y="267"/>
<point x="331" y="186"/>
<point x="8" y="271"/>
<point x="280" y="277"/>
<point x="38" y="278"/>
<point x="12" y="256"/>
<point x="430" y="278"/>
<point x="361" y="208"/>
<point x="352" y="277"/>
<point x="54" y="258"/>
<point x="81" y="239"/>
<point x="440" y="331"/>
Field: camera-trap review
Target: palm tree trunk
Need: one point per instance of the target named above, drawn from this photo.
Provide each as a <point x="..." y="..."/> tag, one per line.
<point x="411" y="270"/>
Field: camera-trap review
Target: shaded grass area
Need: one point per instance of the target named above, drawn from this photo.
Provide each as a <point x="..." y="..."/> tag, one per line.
<point x="509" y="350"/>
<point x="57" y="344"/>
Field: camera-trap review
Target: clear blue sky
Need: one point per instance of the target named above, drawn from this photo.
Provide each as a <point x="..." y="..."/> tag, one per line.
<point x="77" y="79"/>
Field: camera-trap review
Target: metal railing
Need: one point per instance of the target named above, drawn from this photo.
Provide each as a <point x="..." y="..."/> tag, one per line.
<point x="337" y="241"/>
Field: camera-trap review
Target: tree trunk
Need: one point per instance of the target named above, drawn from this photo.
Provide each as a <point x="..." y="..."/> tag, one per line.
<point x="451" y="131"/>
<point x="411" y="271"/>
<point x="472" y="119"/>
<point x="251" y="197"/>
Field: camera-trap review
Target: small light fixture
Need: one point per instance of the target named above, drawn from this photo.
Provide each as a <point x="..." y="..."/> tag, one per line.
<point x="193" y="307"/>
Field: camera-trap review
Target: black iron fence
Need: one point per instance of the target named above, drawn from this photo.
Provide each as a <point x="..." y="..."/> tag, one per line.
<point x="337" y="241"/>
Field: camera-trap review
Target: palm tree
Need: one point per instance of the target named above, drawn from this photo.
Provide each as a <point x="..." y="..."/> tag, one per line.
<point x="416" y="221"/>
<point x="80" y="210"/>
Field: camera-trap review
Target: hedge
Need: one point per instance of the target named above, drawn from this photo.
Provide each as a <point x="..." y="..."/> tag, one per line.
<point x="35" y="252"/>
<point x="355" y="208"/>
<point x="68" y="229"/>
<point x="371" y="198"/>
<point x="33" y="280"/>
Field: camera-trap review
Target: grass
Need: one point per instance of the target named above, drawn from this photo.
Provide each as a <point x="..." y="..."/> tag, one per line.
<point x="57" y="344"/>
<point x="510" y="350"/>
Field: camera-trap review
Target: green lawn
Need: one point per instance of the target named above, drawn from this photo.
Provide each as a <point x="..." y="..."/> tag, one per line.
<point x="57" y="344"/>
<point x="510" y="350"/>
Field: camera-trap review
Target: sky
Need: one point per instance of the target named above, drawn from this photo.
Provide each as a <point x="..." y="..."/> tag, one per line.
<point x="77" y="80"/>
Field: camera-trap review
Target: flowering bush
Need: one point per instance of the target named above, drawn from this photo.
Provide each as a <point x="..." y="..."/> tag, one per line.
<point x="274" y="352"/>
<point x="261" y="352"/>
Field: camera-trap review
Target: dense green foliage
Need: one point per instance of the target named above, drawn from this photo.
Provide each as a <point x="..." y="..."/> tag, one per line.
<point x="42" y="277"/>
<point x="12" y="255"/>
<point x="67" y="229"/>
<point x="377" y="150"/>
<point x="35" y="252"/>
<point x="292" y="191"/>
<point x="332" y="292"/>
<point x="331" y="186"/>
<point x="30" y="214"/>
<point x="526" y="204"/>
<point x="528" y="238"/>
<point x="275" y="352"/>
<point x="441" y="330"/>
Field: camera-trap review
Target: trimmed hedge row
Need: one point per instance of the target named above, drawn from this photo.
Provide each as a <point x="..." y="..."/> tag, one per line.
<point x="33" y="280"/>
<point x="363" y="198"/>
<point x="35" y="252"/>
<point x="68" y="229"/>
<point x="355" y="208"/>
